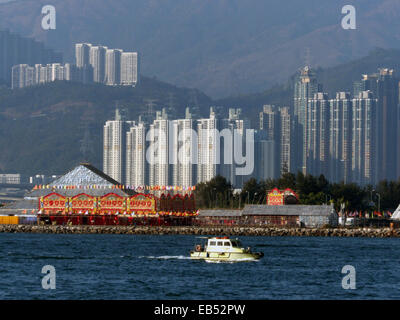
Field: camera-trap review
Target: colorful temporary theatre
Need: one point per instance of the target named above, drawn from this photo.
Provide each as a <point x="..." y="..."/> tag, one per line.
<point x="87" y="190"/>
<point x="112" y="203"/>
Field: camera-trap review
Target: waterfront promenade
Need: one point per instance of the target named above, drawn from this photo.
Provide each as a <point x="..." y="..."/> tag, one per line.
<point x="205" y="230"/>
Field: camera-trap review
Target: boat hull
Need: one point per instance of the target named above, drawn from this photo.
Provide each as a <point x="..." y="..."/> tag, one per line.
<point x="226" y="256"/>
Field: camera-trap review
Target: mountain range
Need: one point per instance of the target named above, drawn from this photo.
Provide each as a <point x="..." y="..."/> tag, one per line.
<point x="222" y="47"/>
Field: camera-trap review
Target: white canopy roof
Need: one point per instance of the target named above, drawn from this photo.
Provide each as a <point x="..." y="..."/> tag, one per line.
<point x="396" y="214"/>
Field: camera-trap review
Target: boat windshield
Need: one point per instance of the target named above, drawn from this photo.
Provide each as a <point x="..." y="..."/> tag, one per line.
<point x="236" y="243"/>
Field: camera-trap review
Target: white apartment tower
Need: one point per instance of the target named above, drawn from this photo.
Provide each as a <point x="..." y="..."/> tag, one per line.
<point x="184" y="151"/>
<point x="82" y="54"/>
<point x="158" y="151"/>
<point x="98" y="61"/>
<point x="208" y="147"/>
<point x="22" y="76"/>
<point x="136" y="168"/>
<point x="113" y="67"/>
<point x="114" y="135"/>
<point x="129" y="68"/>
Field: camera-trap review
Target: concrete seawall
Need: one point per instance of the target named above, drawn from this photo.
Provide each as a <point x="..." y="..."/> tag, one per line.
<point x="223" y="231"/>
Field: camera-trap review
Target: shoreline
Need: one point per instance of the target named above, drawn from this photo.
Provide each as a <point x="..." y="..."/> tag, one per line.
<point x="209" y="230"/>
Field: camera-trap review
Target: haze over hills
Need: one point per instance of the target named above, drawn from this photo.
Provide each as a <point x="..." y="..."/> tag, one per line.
<point x="222" y="47"/>
<point x="44" y="128"/>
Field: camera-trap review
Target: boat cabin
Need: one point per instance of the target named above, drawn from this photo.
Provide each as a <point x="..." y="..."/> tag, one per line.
<point x="222" y="244"/>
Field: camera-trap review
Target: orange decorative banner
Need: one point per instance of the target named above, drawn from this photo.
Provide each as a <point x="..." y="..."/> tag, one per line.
<point x="53" y="202"/>
<point x="82" y="202"/>
<point x="142" y="203"/>
<point x="112" y="203"/>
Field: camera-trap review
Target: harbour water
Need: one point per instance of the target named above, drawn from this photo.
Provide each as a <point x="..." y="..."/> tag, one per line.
<point x="158" y="267"/>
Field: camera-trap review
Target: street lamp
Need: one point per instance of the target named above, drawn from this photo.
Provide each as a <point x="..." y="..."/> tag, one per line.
<point x="254" y="198"/>
<point x="326" y="198"/>
<point x="215" y="193"/>
<point x="379" y="200"/>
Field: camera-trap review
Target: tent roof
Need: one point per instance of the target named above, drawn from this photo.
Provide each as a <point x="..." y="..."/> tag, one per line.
<point x="82" y="176"/>
<point x="396" y="214"/>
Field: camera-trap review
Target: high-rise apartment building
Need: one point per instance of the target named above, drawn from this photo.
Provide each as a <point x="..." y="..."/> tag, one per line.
<point x="114" y="135"/>
<point x="318" y="134"/>
<point x="208" y="144"/>
<point x="113" y="67"/>
<point x="82" y="54"/>
<point x="129" y="68"/>
<point x="136" y="164"/>
<point x="109" y="66"/>
<point x="233" y="142"/>
<point x="364" y="135"/>
<point x="98" y="62"/>
<point x="15" y="50"/>
<point x="265" y="157"/>
<point x="184" y="151"/>
<point x="23" y="75"/>
<point x="158" y="151"/>
<point x="305" y="88"/>
<point x="276" y="122"/>
<point x="286" y="139"/>
<point x="385" y="87"/>
<point x="340" y="130"/>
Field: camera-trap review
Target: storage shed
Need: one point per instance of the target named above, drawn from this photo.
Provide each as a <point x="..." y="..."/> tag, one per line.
<point x="291" y="215"/>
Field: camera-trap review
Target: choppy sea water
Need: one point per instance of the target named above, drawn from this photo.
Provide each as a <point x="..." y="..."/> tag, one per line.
<point x="158" y="267"/>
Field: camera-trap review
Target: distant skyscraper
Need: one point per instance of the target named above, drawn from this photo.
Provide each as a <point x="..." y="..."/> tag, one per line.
<point x="129" y="68"/>
<point x="340" y="130"/>
<point x="184" y="151"/>
<point x="15" y="50"/>
<point x="318" y="134"/>
<point x="114" y="135"/>
<point x="235" y="125"/>
<point x="367" y="82"/>
<point x="387" y="112"/>
<point x="364" y="135"/>
<point x="82" y="54"/>
<point x="113" y="67"/>
<point x="208" y="140"/>
<point x="286" y="139"/>
<point x="98" y="62"/>
<point x="276" y="123"/>
<point x="217" y="147"/>
<point x="305" y="88"/>
<point x="265" y="158"/>
<point x="22" y="76"/>
<point x="158" y="152"/>
<point x="136" y="165"/>
<point x="385" y="87"/>
<point x="270" y="123"/>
